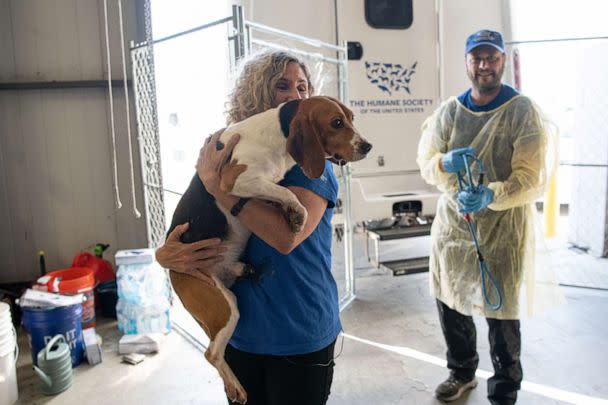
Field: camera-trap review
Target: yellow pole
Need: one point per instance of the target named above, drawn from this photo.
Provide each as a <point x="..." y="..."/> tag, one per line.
<point x="550" y="208"/>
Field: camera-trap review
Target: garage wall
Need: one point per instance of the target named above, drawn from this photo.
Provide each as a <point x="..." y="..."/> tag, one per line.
<point x="56" y="187"/>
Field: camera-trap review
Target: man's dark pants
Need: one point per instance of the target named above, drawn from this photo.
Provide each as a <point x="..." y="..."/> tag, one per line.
<point x="505" y="349"/>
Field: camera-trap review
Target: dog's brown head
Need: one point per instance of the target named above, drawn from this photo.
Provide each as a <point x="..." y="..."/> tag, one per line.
<point x="318" y="128"/>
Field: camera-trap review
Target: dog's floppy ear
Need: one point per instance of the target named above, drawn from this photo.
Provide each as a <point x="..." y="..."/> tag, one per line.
<point x="305" y="148"/>
<point x="286" y="114"/>
<point x="344" y="109"/>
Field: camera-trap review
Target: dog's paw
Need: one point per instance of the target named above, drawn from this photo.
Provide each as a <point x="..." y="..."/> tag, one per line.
<point x="236" y="393"/>
<point x="296" y="218"/>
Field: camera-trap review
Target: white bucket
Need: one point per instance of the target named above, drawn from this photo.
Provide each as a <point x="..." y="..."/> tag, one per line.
<point x="8" y="357"/>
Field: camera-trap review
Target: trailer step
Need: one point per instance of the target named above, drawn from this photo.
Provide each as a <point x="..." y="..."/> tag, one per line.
<point x="407" y="266"/>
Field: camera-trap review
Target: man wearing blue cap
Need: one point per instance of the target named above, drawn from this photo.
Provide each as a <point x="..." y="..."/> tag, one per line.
<point x="508" y="134"/>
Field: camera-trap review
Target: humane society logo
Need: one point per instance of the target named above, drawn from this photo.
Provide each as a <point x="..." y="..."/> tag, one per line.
<point x="393" y="80"/>
<point x="390" y="77"/>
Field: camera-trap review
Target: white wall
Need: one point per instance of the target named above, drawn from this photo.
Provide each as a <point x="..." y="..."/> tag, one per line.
<point x="295" y="16"/>
<point x="56" y="190"/>
<point x="459" y="19"/>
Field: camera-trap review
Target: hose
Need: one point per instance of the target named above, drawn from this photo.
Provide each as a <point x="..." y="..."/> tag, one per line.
<point x="483" y="268"/>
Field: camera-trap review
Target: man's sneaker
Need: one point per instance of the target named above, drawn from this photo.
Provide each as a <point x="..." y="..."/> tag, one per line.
<point x="453" y="388"/>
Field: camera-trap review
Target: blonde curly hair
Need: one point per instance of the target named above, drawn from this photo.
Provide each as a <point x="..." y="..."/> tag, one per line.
<point x="255" y="85"/>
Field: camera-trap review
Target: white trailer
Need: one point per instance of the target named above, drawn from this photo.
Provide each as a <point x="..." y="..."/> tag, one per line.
<point x="394" y="84"/>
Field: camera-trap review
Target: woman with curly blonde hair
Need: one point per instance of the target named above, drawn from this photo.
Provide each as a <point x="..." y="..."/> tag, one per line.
<point x="260" y="84"/>
<point x="282" y="350"/>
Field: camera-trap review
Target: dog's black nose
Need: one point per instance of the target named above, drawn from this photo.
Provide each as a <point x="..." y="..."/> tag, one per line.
<point x="365" y="147"/>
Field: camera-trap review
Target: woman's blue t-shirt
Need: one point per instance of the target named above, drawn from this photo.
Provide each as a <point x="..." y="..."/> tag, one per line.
<point x="290" y="305"/>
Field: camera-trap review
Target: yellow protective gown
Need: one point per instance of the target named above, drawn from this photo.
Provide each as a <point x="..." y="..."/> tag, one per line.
<point x="518" y="150"/>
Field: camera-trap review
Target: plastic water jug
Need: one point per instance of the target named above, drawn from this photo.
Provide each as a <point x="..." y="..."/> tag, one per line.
<point x="55" y="366"/>
<point x="144" y="293"/>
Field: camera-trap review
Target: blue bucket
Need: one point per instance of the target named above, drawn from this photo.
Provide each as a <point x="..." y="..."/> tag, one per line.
<point x="42" y="324"/>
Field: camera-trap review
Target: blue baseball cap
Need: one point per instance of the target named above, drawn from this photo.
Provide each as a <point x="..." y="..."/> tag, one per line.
<point x="485" y="37"/>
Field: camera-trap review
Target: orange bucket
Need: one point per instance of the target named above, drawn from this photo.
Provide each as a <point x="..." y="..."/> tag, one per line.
<point x="71" y="281"/>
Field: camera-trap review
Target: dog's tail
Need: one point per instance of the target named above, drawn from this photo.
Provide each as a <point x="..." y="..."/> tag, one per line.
<point x="256" y="273"/>
<point x="248" y="270"/>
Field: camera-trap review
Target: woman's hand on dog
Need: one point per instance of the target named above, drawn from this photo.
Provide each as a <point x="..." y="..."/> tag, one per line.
<point x="194" y="259"/>
<point x="212" y="157"/>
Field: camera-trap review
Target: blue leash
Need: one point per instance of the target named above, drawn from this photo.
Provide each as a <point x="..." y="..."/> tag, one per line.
<point x="483" y="268"/>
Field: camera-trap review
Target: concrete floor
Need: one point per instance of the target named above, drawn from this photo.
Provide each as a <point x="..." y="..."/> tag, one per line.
<point x="391" y="352"/>
<point x="563" y="350"/>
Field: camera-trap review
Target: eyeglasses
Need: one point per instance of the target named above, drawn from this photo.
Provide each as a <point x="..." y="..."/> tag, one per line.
<point x="489" y="60"/>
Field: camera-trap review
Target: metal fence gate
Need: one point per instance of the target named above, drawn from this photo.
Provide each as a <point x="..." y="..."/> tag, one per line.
<point x="567" y="78"/>
<point x="329" y="75"/>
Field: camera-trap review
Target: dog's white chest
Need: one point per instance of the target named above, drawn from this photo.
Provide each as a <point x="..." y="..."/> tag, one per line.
<point x="262" y="147"/>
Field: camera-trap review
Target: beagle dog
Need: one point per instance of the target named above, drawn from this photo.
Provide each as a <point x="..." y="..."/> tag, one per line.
<point x="304" y="132"/>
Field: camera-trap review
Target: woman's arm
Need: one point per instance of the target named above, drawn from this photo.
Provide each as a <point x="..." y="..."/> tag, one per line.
<point x="268" y="221"/>
<point x="263" y="219"/>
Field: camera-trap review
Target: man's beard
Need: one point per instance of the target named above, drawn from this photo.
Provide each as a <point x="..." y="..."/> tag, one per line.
<point x="486" y="87"/>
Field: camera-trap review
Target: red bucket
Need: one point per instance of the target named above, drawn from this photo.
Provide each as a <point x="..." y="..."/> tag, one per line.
<point x="71" y="281"/>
